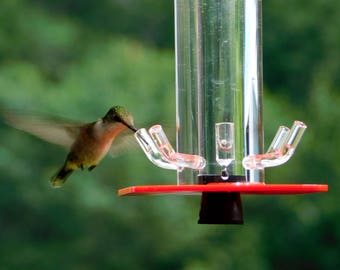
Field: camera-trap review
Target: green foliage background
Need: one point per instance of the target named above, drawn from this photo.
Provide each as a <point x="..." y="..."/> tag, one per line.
<point x="77" y="58"/>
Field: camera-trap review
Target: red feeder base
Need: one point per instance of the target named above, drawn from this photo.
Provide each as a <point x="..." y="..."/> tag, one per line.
<point x="241" y="187"/>
<point x="221" y="202"/>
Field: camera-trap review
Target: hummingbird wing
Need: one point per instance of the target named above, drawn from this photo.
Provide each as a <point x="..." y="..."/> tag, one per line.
<point x="54" y="130"/>
<point x="124" y="142"/>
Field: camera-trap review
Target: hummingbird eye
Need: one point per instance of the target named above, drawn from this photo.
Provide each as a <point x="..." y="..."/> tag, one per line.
<point x="116" y="118"/>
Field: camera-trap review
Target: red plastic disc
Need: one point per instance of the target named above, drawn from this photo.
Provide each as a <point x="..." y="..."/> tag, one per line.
<point x="245" y="188"/>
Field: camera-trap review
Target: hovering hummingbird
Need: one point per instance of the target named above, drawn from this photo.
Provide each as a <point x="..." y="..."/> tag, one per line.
<point x="87" y="143"/>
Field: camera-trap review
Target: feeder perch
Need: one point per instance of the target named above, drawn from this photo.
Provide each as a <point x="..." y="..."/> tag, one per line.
<point x="219" y="113"/>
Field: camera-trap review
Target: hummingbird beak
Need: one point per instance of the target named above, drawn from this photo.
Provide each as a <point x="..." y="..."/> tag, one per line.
<point x="130" y="127"/>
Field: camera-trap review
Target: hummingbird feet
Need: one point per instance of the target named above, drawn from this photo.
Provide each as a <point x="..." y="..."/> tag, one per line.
<point x="92" y="167"/>
<point x="89" y="168"/>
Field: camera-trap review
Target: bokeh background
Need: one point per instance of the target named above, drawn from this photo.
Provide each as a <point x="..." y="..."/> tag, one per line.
<point x="77" y="58"/>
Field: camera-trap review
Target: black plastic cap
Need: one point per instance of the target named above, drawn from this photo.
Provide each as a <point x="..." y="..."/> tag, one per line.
<point x="221" y="208"/>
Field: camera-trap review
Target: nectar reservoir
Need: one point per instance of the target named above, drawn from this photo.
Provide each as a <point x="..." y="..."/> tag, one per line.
<point x="219" y="87"/>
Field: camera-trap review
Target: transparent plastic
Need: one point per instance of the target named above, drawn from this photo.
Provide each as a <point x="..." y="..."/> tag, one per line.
<point x="225" y="146"/>
<point x="160" y="152"/>
<point x="279" y="140"/>
<point x="281" y="149"/>
<point x="151" y="150"/>
<point x="218" y="79"/>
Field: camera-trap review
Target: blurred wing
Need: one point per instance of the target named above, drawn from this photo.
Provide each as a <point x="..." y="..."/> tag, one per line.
<point x="124" y="142"/>
<point x="53" y="130"/>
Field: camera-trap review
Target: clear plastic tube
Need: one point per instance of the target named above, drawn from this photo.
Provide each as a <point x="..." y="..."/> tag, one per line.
<point x="295" y="134"/>
<point x="151" y="150"/>
<point x="218" y="79"/>
<point x="181" y="160"/>
<point x="160" y="152"/>
<point x="281" y="149"/>
<point x="162" y="142"/>
<point x="225" y="143"/>
<point x="279" y="140"/>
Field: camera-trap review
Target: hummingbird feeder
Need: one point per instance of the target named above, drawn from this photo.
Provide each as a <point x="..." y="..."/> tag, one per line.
<point x="219" y="113"/>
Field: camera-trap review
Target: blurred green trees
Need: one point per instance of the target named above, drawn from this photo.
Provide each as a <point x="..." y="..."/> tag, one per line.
<point x="76" y="59"/>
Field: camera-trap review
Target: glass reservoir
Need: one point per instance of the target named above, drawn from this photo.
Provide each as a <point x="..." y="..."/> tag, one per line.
<point x="219" y="87"/>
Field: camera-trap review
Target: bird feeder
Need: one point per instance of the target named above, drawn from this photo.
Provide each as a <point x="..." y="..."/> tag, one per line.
<point x="219" y="115"/>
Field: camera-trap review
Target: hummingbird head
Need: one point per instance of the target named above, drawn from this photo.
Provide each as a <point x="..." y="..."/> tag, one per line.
<point x="121" y="115"/>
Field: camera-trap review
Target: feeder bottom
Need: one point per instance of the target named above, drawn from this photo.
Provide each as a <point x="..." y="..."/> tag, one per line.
<point x="221" y="208"/>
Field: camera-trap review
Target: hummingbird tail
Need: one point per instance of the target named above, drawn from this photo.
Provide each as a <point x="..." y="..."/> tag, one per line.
<point x="59" y="179"/>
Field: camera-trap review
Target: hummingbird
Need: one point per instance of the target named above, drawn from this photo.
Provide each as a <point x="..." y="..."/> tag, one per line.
<point x="88" y="143"/>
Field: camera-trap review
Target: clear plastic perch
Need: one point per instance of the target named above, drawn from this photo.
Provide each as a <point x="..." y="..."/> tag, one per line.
<point x="280" y="150"/>
<point x="160" y="152"/>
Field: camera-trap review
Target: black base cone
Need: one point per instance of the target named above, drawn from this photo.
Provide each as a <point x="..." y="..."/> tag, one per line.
<point x="221" y="208"/>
